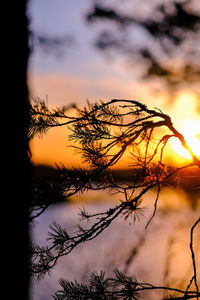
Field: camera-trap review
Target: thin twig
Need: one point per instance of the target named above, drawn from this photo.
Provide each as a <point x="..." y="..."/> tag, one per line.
<point x="193" y="259"/>
<point x="155" y="206"/>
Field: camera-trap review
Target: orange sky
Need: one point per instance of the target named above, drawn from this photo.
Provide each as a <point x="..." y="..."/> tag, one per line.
<point x="62" y="89"/>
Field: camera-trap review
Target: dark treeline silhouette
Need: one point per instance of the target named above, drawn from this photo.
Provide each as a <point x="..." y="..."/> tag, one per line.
<point x="44" y="177"/>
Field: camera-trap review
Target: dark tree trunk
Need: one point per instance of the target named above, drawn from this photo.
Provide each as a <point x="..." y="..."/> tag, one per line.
<point x="17" y="173"/>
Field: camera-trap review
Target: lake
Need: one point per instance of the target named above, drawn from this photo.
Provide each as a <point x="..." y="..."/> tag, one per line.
<point x="161" y="252"/>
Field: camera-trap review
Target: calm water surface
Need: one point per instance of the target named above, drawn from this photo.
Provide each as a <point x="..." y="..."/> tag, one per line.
<point x="163" y="255"/>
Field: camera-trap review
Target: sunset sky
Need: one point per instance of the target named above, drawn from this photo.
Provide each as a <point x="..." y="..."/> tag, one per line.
<point x="78" y="71"/>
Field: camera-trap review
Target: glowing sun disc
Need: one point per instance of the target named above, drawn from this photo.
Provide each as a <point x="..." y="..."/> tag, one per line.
<point x="191" y="132"/>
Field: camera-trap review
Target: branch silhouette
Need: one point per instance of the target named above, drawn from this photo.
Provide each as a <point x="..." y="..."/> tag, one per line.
<point x="104" y="132"/>
<point x="119" y="286"/>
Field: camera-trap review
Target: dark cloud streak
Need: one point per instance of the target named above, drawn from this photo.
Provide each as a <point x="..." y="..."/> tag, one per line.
<point x="57" y="46"/>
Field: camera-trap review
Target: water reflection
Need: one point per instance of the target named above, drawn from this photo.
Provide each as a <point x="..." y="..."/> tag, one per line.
<point x="159" y="255"/>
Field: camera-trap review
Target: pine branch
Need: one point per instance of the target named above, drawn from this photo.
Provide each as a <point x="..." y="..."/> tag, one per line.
<point x="42" y="118"/>
<point x="63" y="243"/>
<point x="120" y="286"/>
<point x="102" y="146"/>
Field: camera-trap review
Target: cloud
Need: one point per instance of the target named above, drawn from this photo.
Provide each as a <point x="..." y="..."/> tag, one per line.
<point x="55" y="45"/>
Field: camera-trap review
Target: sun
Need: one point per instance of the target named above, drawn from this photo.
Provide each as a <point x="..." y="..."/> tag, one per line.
<point x="191" y="132"/>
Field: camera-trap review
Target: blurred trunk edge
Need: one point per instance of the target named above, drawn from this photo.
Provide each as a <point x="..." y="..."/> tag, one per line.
<point x="25" y="200"/>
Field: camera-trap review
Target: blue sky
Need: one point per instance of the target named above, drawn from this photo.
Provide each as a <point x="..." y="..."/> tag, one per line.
<point x="81" y="60"/>
<point x="58" y="18"/>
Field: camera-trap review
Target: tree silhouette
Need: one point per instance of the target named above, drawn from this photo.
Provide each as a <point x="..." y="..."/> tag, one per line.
<point x="17" y="169"/>
<point x="162" y="38"/>
<point x="102" y="133"/>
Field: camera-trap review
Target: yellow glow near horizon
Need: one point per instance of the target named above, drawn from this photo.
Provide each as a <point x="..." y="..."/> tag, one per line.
<point x="191" y="132"/>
